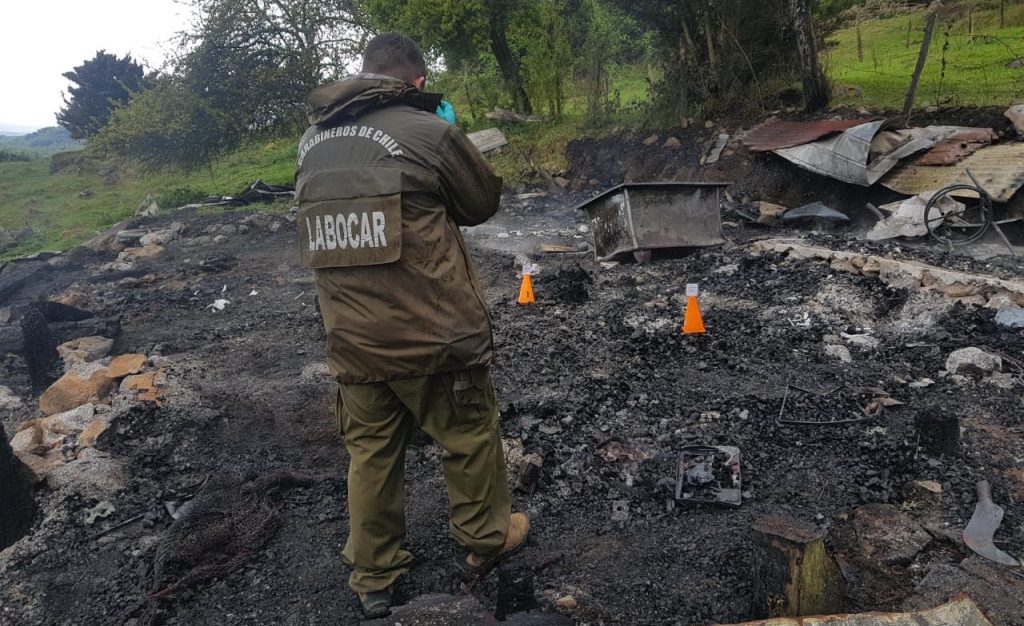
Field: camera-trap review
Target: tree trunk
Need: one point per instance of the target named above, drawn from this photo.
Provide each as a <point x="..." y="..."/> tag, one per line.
<point x="16" y="505"/>
<point x="908" y="104"/>
<point x="1002" y="13"/>
<point x="507" y="62"/>
<point x="793" y="573"/>
<point x="815" y="88"/>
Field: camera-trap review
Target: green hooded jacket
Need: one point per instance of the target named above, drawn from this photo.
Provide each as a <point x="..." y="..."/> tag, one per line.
<point x="383" y="185"/>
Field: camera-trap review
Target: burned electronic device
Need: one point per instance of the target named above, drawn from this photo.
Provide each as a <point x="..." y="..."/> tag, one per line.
<point x="709" y="475"/>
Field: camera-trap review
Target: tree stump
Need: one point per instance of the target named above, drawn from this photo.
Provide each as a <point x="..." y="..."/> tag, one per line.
<point x="16" y="505"/>
<point x="793" y="572"/>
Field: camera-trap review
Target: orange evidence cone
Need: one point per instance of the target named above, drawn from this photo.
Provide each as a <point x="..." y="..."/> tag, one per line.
<point x="693" y="323"/>
<point x="526" y="291"/>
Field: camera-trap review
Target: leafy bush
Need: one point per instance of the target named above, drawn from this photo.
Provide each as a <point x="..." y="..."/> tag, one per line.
<point x="166" y="126"/>
<point x="7" y="156"/>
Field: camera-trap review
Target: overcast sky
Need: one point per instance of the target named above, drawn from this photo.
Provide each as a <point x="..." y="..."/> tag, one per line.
<point x="42" y="39"/>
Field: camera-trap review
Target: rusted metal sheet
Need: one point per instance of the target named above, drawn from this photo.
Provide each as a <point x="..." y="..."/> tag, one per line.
<point x="960" y="612"/>
<point x="999" y="169"/>
<point x="854" y="156"/>
<point x="778" y="134"/>
<point x="963" y="143"/>
<point x="646" y="216"/>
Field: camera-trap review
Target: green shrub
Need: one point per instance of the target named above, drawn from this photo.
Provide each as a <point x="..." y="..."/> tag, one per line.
<point x="166" y="126"/>
<point x="179" y="196"/>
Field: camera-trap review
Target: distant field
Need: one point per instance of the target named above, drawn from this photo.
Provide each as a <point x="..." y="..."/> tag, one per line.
<point x="961" y="70"/>
<point x="62" y="216"/>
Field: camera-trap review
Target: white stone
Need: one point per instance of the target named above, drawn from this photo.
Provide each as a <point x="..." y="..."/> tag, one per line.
<point x="841" y="353"/>
<point x="69" y="422"/>
<point x="92" y="473"/>
<point x="973" y="362"/>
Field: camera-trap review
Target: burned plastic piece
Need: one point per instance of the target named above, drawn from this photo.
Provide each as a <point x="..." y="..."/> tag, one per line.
<point x="709" y="475"/>
<point x="639" y="217"/>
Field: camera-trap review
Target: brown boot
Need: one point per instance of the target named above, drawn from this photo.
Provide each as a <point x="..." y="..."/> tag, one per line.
<point x="477" y="565"/>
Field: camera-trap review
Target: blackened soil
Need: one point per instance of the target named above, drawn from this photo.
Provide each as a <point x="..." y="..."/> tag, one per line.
<point x="598" y="358"/>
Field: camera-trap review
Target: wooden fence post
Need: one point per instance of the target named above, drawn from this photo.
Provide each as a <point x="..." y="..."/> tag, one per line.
<point x="922" y="56"/>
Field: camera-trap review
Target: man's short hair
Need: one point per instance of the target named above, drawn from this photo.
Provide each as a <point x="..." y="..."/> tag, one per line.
<point x="394" y="54"/>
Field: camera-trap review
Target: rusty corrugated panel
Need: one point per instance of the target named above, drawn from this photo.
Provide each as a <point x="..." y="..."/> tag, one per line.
<point x="999" y="169"/>
<point x="963" y="143"/>
<point x="960" y="612"/>
<point x="779" y="134"/>
<point x="853" y="156"/>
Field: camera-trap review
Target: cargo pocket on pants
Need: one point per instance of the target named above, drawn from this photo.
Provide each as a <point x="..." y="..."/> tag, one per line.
<point x="472" y="397"/>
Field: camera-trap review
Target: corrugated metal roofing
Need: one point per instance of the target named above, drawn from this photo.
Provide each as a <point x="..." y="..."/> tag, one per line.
<point x="999" y="169"/>
<point x="964" y="142"/>
<point x="854" y="157"/>
<point x="779" y="134"/>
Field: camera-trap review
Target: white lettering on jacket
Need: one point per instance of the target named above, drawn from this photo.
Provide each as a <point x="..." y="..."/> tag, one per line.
<point x="346" y="132"/>
<point x="346" y="230"/>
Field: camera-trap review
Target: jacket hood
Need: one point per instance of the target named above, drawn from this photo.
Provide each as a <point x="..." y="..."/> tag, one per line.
<point x="356" y="94"/>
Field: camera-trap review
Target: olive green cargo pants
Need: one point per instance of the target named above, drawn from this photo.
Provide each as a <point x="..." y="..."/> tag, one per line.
<point x="458" y="411"/>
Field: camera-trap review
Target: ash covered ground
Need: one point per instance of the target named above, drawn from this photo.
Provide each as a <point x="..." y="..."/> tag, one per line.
<point x="595" y="378"/>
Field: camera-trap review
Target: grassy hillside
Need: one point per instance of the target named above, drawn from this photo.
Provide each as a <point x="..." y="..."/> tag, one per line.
<point x="65" y="209"/>
<point x="961" y="70"/>
<point x="41" y="143"/>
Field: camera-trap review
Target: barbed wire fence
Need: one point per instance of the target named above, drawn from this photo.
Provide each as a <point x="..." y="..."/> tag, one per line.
<point x="966" y="65"/>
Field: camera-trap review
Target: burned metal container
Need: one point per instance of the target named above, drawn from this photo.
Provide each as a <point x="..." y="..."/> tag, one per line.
<point x="638" y="217"/>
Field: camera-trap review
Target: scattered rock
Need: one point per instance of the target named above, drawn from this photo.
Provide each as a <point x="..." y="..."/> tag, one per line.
<point x="863" y="341"/>
<point x="672" y="143"/>
<point x="769" y="213"/>
<point x="42" y="466"/>
<point x="650" y="141"/>
<point x="1016" y="115"/>
<point x="91" y="474"/>
<point x="9" y="401"/>
<point x="125" y="364"/>
<point x="566" y="604"/>
<point x="94" y="430"/>
<point x="840" y="353"/>
<point x="1011" y="317"/>
<point x="973" y="362"/>
<point x="69" y="422"/>
<point x="887" y="535"/>
<point x="28" y="440"/>
<point x="88" y="382"/>
<point x="151" y="251"/>
<point x="220" y="239"/>
<point x="996" y="589"/>
<point x="163" y="236"/>
<point x="142" y="386"/>
<point x="84" y="350"/>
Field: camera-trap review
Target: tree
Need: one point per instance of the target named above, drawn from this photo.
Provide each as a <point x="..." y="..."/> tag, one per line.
<point x="257" y="59"/>
<point x="459" y="31"/>
<point x="815" y="87"/>
<point x="718" y="55"/>
<point x="100" y="84"/>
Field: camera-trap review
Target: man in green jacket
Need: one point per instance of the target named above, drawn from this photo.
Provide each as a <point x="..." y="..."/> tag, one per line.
<point x="383" y="185"/>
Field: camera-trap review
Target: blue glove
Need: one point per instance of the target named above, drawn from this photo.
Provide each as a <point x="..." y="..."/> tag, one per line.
<point x="446" y="112"/>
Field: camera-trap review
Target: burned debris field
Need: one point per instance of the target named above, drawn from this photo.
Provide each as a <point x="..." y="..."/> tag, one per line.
<point x="821" y="448"/>
<point x="820" y="398"/>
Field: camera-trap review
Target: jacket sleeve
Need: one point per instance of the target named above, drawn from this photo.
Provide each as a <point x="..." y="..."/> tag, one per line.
<point x="471" y="190"/>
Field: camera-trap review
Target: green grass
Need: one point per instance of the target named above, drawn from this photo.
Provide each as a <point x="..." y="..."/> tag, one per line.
<point x="974" y="72"/>
<point x="62" y="216"/>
